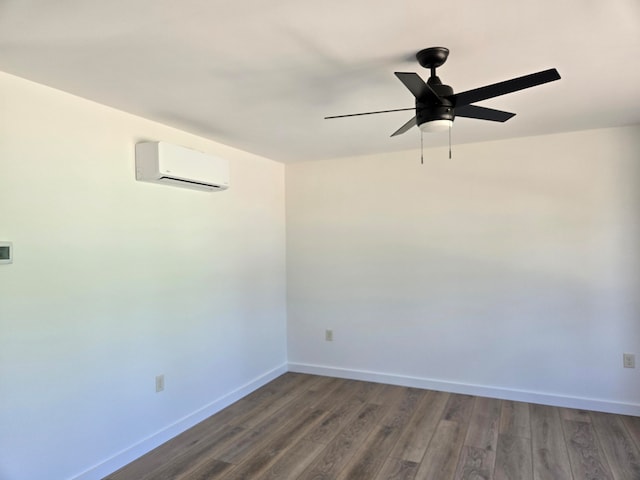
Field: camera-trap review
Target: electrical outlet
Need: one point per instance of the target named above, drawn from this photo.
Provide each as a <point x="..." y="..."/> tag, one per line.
<point x="328" y="335"/>
<point x="629" y="360"/>
<point x="159" y="383"/>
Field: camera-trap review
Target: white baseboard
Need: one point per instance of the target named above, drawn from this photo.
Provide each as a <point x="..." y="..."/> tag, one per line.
<point x="470" y="389"/>
<point x="145" y="445"/>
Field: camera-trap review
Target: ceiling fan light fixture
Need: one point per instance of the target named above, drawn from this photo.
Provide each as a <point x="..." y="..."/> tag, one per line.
<point x="436" y="126"/>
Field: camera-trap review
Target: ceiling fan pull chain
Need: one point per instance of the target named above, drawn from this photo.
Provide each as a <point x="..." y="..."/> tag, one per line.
<point x="449" y="142"/>
<point x="421" y="147"/>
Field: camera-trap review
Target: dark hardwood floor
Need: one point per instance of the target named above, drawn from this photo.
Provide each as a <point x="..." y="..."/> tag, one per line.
<point x="311" y="427"/>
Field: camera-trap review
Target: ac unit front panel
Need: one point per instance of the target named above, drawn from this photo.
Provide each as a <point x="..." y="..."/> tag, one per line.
<point x="162" y="162"/>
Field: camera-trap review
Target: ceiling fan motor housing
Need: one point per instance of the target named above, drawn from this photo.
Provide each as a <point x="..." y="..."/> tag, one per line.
<point x="427" y="110"/>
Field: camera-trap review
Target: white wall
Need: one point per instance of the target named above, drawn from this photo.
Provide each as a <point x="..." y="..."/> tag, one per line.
<point x="511" y="270"/>
<point x="115" y="281"/>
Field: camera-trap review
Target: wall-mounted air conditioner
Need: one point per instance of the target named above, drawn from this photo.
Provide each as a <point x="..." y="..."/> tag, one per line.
<point x="161" y="162"/>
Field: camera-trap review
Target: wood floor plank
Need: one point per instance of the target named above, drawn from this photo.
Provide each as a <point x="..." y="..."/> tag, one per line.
<point x="515" y="420"/>
<point x="337" y="454"/>
<point x="484" y="424"/>
<point x="398" y="469"/>
<point x="236" y="451"/>
<point x="293" y="462"/>
<point x="370" y="392"/>
<point x="210" y="469"/>
<point x="371" y="455"/>
<point x="255" y="416"/>
<point x="633" y="427"/>
<point x="513" y="458"/>
<point x="343" y="405"/>
<point x="168" y="452"/>
<point x="402" y="407"/>
<point x="478" y="456"/>
<point x="550" y="457"/>
<point x="618" y="445"/>
<point x="587" y="459"/>
<point x="414" y="440"/>
<point x="475" y="464"/>
<point x="283" y="383"/>
<point x="190" y="457"/>
<point x="387" y="394"/>
<point x="326" y="383"/>
<point x="441" y="457"/>
<point x="458" y="408"/>
<point x="341" y="389"/>
<point x="286" y="387"/>
<point x="261" y="458"/>
<point x="576" y="415"/>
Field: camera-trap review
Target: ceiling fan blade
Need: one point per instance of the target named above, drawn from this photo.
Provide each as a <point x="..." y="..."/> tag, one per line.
<point x="405" y="127"/>
<point x="370" y="113"/>
<point x="417" y="86"/>
<point x="502" y="88"/>
<point x="483" y="113"/>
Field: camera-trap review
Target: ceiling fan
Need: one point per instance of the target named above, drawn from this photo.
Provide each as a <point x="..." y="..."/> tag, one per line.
<point x="437" y="105"/>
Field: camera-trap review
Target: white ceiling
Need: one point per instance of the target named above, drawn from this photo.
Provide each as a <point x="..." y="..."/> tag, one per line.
<point x="261" y="75"/>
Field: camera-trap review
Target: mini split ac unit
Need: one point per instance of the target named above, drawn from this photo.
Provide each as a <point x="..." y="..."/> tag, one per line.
<point x="161" y="162"/>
